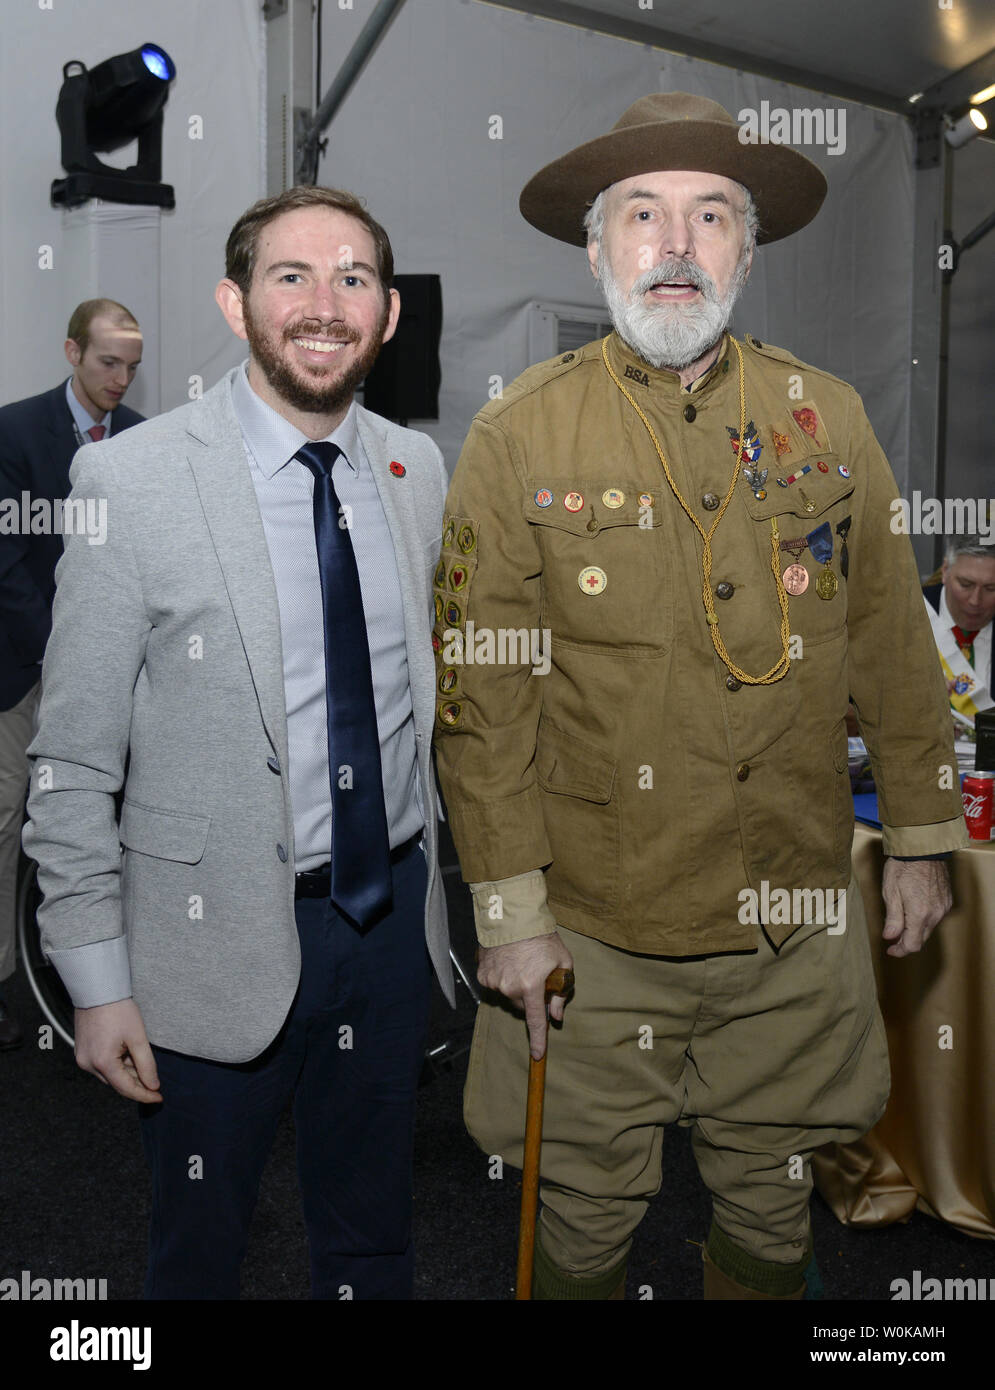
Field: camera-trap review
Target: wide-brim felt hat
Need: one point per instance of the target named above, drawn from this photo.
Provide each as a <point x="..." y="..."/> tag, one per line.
<point x="674" y="130"/>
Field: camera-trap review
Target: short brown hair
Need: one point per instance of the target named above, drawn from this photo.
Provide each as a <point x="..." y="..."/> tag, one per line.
<point x="84" y="314"/>
<point x="243" y="240"/>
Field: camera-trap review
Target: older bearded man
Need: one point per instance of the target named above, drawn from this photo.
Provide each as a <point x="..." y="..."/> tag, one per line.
<point x="668" y="809"/>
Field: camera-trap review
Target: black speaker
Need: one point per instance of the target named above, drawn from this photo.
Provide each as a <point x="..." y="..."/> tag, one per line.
<point x="404" y="382"/>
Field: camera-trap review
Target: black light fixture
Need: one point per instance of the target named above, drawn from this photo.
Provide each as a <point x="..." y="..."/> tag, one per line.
<point x="119" y="100"/>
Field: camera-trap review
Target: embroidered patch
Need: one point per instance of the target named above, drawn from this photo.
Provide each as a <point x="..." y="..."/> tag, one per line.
<point x="806" y="416"/>
<point x="782" y="442"/>
<point x="450" y="714"/>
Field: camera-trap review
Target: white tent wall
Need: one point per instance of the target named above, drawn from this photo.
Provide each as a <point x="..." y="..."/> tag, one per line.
<point x="218" y="51"/>
<point x="414" y="137"/>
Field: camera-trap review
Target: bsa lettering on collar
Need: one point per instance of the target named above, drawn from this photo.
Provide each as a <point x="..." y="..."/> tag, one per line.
<point x="634" y="374"/>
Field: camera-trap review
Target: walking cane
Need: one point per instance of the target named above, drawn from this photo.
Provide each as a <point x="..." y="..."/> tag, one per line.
<point x="560" y="981"/>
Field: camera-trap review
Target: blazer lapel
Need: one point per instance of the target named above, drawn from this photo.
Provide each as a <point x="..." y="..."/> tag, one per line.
<point x="62" y="443"/>
<point x="216" y="455"/>
<point x="408" y="553"/>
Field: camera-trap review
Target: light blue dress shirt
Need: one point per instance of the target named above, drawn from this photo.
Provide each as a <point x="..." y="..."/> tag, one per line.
<point x="285" y="489"/>
<point x="82" y="416"/>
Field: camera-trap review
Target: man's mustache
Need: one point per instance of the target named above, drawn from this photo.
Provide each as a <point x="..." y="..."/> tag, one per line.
<point x="673" y="272"/>
<point x="339" y="332"/>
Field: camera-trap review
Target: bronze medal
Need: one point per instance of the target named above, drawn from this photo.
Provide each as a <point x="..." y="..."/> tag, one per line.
<point x="827" y="585"/>
<point x="795" y="580"/>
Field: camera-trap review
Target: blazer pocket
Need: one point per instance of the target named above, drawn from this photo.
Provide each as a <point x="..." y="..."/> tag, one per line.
<point x="163" y="834"/>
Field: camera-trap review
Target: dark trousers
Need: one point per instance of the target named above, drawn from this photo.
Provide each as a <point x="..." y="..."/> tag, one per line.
<point x="349" y="1056"/>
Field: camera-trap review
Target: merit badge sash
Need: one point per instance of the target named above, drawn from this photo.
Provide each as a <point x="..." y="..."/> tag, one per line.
<point x="969" y="695"/>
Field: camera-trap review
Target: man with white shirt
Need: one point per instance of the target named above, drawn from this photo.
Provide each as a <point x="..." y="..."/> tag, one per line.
<point x="38" y="438"/>
<point x="249" y="659"/>
<point x="961" y="610"/>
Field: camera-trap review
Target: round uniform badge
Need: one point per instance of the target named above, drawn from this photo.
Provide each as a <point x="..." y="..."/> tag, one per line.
<point x="438" y="608"/>
<point x="843" y="471"/>
<point x="454" y="614"/>
<point x="613" y="497"/>
<point x="573" y="501"/>
<point x="447" y="681"/>
<point x="782" y="482"/>
<point x="592" y="580"/>
<point x="448" y="533"/>
<point x="449" y="714"/>
<point x="440" y="575"/>
<point x="457" y="578"/>
<point x="761" y="494"/>
<point x="646" y="499"/>
<point x="466" y="539"/>
<point x="436" y="642"/>
<point x="822" y="467"/>
<point x="795" y="580"/>
<point x="544" y="498"/>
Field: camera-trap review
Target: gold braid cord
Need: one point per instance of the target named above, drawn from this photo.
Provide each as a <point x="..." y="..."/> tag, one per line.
<point x="780" y="669"/>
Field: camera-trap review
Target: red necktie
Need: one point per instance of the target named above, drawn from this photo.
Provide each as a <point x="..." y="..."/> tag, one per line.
<point x="965" y="640"/>
<point x="97" y="432"/>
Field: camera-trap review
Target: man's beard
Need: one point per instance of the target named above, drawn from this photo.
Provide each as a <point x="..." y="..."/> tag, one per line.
<point x="320" y="395"/>
<point x="671" y="335"/>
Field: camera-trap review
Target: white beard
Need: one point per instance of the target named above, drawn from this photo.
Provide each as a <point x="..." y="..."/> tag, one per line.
<point x="671" y="335"/>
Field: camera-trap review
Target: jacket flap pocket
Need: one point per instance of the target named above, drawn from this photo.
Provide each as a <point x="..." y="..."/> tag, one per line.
<point x="163" y="834"/>
<point x="593" y="507"/>
<point x="572" y="767"/>
<point x="811" y="492"/>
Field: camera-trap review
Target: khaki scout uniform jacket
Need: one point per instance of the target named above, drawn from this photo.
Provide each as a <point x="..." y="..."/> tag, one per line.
<point x="653" y="785"/>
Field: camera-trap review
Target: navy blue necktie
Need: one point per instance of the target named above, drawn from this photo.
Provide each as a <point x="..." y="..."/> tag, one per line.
<point x="361" y="882"/>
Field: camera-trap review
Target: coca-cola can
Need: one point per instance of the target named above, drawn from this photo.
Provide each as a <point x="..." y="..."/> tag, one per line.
<point x="978" y="791"/>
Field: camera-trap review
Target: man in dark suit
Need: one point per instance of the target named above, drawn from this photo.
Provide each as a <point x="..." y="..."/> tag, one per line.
<point x="962" y="613"/>
<point x="38" y="438"/>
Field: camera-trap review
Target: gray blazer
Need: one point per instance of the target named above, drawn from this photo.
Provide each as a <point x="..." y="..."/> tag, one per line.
<point x="164" y="677"/>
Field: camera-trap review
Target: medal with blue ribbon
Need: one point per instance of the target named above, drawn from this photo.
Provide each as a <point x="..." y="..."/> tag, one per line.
<point x="820" y="542"/>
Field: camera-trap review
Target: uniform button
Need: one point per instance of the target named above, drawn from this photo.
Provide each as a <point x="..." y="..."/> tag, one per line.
<point x="742" y="772"/>
<point x="567" y="357"/>
<point x="709" y="501"/>
<point x="281" y="853"/>
<point x="725" y="589"/>
<point x="592" y="525"/>
<point x="273" y="764"/>
<point x="758" y="342"/>
<point x="732" y="683"/>
<point x="689" y="413"/>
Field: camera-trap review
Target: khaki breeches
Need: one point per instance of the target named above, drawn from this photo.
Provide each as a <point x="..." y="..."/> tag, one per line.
<point x="766" y="1055"/>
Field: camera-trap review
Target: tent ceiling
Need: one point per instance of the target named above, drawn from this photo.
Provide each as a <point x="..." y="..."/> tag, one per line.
<point x="885" y="49"/>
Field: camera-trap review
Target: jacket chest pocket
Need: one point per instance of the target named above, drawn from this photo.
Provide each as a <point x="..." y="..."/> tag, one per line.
<point x="605" y="579"/>
<point x="814" y="514"/>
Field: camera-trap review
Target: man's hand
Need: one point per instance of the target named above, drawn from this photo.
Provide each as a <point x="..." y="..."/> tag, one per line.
<point x="917" y="895"/>
<point x="519" y="971"/>
<point x="111" y="1043"/>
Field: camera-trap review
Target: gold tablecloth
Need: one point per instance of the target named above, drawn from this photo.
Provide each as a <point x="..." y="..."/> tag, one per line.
<point x="934" y="1148"/>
